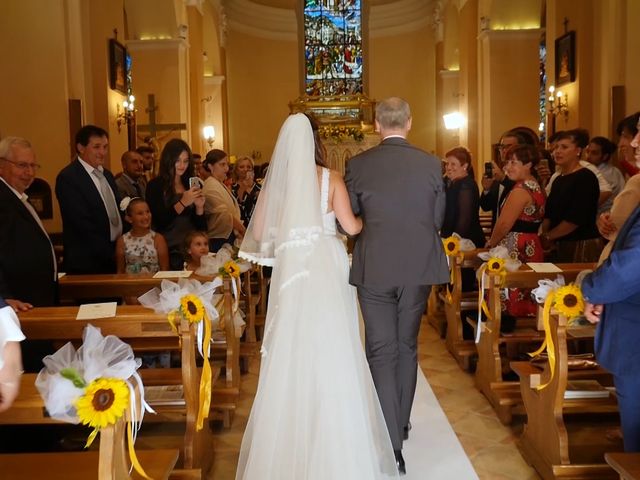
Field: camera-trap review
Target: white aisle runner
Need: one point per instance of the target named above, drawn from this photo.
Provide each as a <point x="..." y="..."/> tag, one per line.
<point x="433" y="451"/>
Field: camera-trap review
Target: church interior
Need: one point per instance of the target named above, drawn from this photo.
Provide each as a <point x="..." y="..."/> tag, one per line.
<point x="225" y="74"/>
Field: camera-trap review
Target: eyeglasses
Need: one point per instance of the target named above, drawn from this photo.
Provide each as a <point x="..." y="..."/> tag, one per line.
<point x="504" y="147"/>
<point x="23" y="165"/>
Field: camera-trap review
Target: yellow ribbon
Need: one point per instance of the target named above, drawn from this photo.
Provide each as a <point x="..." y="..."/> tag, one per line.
<point x="205" y="378"/>
<point x="548" y="339"/>
<point x="132" y="454"/>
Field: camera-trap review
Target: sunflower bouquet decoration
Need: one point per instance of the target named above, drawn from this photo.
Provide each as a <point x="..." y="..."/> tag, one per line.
<point x="497" y="261"/>
<point x="94" y="386"/>
<point x="191" y="301"/>
<point x="567" y="300"/>
<point x="451" y="245"/>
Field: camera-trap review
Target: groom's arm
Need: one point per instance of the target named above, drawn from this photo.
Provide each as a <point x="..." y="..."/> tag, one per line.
<point x="440" y="201"/>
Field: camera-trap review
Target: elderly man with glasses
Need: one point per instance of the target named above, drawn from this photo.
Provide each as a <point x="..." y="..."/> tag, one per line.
<point x="27" y="259"/>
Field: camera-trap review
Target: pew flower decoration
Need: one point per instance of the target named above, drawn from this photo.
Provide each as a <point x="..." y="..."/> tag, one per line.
<point x="192" y="301"/>
<point x="495" y="265"/>
<point x="95" y="386"/>
<point x="191" y="308"/>
<point x="498" y="262"/>
<point x="230" y="269"/>
<point x="451" y="245"/>
<point x="567" y="300"/>
<point x="103" y="403"/>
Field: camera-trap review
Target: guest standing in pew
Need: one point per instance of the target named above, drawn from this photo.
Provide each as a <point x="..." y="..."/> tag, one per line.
<point x="628" y="147"/>
<point x="600" y="153"/>
<point x="177" y="208"/>
<point x="569" y="227"/>
<point x="461" y="213"/>
<point x="520" y="218"/>
<point x="246" y="189"/>
<point x="316" y="414"/>
<point x="496" y="187"/>
<point x="131" y="182"/>
<point x="28" y="274"/>
<point x="462" y="197"/>
<point x="397" y="257"/>
<point x="612" y="296"/>
<point x="88" y="199"/>
<point x="224" y="221"/>
<point x="140" y="250"/>
<point x="10" y="357"/>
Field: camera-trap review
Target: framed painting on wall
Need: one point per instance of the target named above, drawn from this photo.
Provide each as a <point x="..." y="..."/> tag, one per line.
<point x="566" y="58"/>
<point x="118" y="66"/>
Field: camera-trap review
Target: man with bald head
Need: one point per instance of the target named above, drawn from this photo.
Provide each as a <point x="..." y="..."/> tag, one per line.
<point x="399" y="192"/>
<point x="27" y="261"/>
<point x="131" y="182"/>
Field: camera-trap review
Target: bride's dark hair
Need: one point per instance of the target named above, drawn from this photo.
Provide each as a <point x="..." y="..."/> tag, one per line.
<point x="320" y="151"/>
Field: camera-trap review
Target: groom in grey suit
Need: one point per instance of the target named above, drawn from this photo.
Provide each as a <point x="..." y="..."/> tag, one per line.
<point x="399" y="192"/>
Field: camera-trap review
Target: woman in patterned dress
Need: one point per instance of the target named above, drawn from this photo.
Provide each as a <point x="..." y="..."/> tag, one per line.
<point x="520" y="218"/>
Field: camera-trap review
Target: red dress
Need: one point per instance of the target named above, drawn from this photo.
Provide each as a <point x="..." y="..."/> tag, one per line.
<point x="524" y="244"/>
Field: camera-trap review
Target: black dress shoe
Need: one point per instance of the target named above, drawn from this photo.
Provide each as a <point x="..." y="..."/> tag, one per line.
<point x="405" y="435"/>
<point x="402" y="470"/>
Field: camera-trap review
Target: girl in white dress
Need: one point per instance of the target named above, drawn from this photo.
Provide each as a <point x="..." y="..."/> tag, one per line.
<point x="316" y="413"/>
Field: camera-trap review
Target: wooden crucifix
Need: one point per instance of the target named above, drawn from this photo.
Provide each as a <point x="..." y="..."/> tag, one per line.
<point x="153" y="128"/>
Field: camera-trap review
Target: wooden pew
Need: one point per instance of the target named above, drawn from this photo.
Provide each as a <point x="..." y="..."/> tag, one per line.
<point x="108" y="463"/>
<point x="461" y="349"/>
<point x="560" y="439"/>
<point x="123" y="285"/>
<point x="626" y="464"/>
<point x="132" y="324"/>
<point x="503" y="395"/>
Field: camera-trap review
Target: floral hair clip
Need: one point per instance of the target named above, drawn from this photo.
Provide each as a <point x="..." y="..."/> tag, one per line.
<point x="124" y="203"/>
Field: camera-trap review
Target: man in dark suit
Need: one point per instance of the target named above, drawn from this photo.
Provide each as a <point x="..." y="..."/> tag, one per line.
<point x="612" y="295"/>
<point x="88" y="200"/>
<point x="399" y="192"/>
<point x="27" y="260"/>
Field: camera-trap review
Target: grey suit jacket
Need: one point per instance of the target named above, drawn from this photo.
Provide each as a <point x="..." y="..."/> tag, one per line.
<point x="399" y="191"/>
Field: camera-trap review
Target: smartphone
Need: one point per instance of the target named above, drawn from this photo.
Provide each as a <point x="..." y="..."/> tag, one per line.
<point x="544" y="163"/>
<point x="250" y="175"/>
<point x="195" y="182"/>
<point x="488" y="169"/>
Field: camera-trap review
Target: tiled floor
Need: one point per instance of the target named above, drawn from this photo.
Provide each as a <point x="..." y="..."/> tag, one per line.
<point x="490" y="445"/>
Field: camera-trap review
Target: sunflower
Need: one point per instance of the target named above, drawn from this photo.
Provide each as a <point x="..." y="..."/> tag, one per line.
<point x="451" y="246"/>
<point x="103" y="403"/>
<point x="495" y="264"/>
<point x="191" y="308"/>
<point x="568" y="301"/>
<point x="231" y="268"/>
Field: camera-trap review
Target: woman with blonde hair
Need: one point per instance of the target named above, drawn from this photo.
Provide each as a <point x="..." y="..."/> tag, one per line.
<point x="246" y="189"/>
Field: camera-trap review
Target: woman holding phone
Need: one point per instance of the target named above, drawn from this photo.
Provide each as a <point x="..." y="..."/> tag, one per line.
<point x="246" y="189"/>
<point x="176" y="207"/>
<point x="224" y="224"/>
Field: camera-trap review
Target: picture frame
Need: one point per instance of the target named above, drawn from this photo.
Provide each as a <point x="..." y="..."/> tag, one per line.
<point x="566" y="58"/>
<point x="118" y="76"/>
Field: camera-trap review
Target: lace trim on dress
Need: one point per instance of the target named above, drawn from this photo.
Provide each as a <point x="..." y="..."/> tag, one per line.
<point x="300" y="237"/>
<point x="267" y="261"/>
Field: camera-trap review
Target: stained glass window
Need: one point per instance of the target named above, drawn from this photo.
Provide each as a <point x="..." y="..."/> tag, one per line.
<point x="333" y="47"/>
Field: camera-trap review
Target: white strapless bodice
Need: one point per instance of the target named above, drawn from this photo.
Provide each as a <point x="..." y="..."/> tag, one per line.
<point x="328" y="218"/>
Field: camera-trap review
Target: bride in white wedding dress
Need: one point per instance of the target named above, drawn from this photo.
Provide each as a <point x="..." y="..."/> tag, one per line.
<point x="316" y="414"/>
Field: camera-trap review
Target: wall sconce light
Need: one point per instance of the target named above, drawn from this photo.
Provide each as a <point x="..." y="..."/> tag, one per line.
<point x="127" y="114"/>
<point x="558" y="102"/>
<point x="209" y="134"/>
<point x="454" y="120"/>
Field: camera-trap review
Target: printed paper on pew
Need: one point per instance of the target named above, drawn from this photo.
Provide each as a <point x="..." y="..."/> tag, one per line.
<point x="91" y="311"/>
<point x="173" y="274"/>
<point x="544" y="267"/>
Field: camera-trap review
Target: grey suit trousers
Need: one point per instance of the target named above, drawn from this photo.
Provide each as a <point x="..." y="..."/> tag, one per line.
<point x="392" y="320"/>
